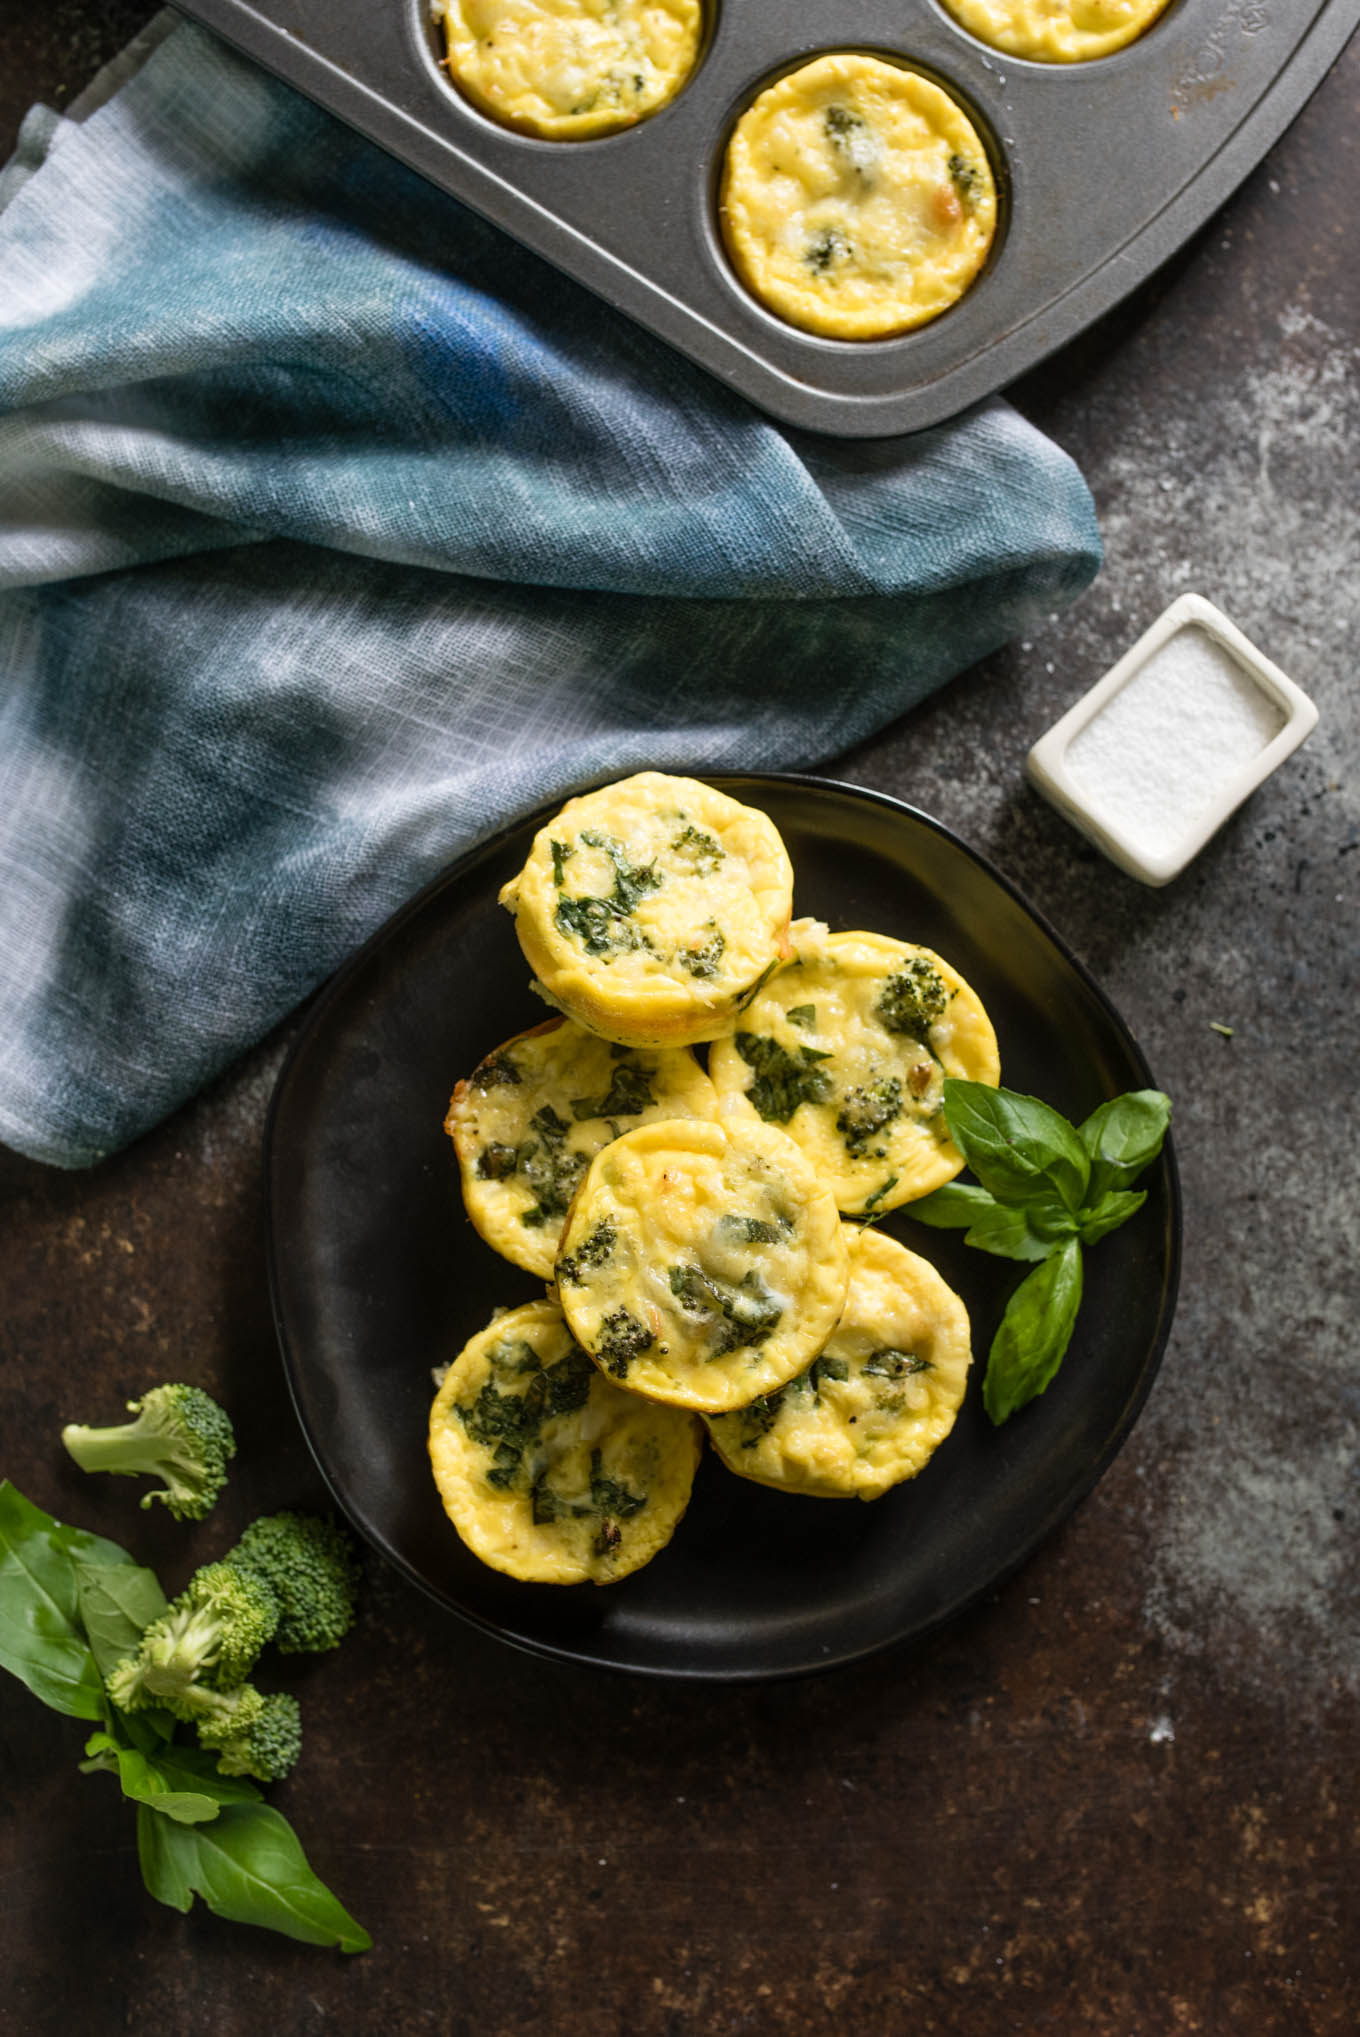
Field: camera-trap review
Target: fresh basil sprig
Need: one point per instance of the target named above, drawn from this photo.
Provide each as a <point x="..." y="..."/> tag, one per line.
<point x="73" y="1605"/>
<point x="1047" y="1188"/>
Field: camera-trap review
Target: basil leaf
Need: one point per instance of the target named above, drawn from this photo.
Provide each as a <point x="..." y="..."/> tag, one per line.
<point x="1123" y="1137"/>
<point x="41" y="1638"/>
<point x="115" y="1601"/>
<point x="182" y="1783"/>
<point x="249" y="1867"/>
<point x="149" y="1729"/>
<point x="1018" y="1147"/>
<point x="1109" y="1213"/>
<point x="1034" y="1333"/>
<point x="953" y="1207"/>
<point x="1009" y="1234"/>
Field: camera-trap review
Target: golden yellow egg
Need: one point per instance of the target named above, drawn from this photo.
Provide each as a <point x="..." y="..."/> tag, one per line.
<point x="857" y="199"/>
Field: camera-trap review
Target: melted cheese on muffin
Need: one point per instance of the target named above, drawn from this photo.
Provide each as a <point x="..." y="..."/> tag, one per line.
<point x="569" y="69"/>
<point x="533" y="1115"/>
<point x="650" y="910"/>
<point x="1056" y="31"/>
<point x="869" y="1411"/>
<point x="702" y="1264"/>
<point x="857" y="200"/>
<point x="847" y="1048"/>
<point x="548" y="1471"/>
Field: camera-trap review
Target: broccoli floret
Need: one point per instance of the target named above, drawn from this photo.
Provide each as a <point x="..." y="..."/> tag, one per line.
<point x="912" y="1000"/>
<point x="312" y="1568"/>
<point x="180" y="1435"/>
<point x="251" y="1734"/>
<point x="209" y="1639"/>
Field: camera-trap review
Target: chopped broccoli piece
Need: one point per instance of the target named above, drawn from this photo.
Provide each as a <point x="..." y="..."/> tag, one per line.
<point x="701" y="850"/>
<point x="180" y="1435"/>
<point x="912" y="1000"/>
<point x="621" y="1339"/>
<point x="702" y="962"/>
<point x="867" y="1109"/>
<point x="966" y="177"/>
<point x="839" y="121"/>
<point x="312" y="1567"/>
<point x="251" y="1734"/>
<point x="595" y="1249"/>
<point x="828" y="246"/>
<point x="210" y="1638"/>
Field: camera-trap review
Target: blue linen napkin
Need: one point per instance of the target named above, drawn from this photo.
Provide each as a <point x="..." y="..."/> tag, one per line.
<point x="336" y="530"/>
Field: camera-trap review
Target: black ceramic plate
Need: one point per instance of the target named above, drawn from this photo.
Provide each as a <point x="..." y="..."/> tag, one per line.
<point x="378" y="1277"/>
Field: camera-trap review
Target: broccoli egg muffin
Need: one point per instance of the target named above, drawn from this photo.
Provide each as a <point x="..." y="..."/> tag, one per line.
<point x="650" y="910"/>
<point x="1056" y="31"/>
<point x="532" y="1116"/>
<point x="869" y="1411"/>
<point x="857" y="199"/>
<point x="570" y="69"/>
<point x="702" y="1264"/>
<point x="548" y="1471"/>
<point x="847" y="1048"/>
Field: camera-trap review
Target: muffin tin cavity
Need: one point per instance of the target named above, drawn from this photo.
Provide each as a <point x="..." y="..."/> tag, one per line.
<point x="569" y="70"/>
<point x="1056" y="31"/>
<point x="856" y="197"/>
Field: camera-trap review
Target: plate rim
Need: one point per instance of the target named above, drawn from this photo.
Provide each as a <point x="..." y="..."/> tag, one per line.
<point x="333" y="989"/>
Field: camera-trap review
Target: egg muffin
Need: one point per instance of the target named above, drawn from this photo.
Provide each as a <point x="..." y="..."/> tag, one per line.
<point x="650" y="910"/>
<point x="532" y="1116"/>
<point x="847" y="1048"/>
<point x="869" y="1411"/>
<point x="567" y="70"/>
<point x="857" y="200"/>
<point x="1056" y="31"/>
<point x="702" y="1264"/>
<point x="547" y="1470"/>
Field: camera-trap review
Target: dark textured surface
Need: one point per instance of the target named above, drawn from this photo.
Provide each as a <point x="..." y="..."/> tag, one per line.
<point x="1117" y="1800"/>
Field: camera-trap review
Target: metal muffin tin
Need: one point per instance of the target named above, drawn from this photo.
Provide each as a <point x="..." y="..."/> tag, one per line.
<point x="1104" y="169"/>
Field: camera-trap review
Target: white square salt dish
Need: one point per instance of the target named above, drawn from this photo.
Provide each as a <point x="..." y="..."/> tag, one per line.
<point x="1151" y="762"/>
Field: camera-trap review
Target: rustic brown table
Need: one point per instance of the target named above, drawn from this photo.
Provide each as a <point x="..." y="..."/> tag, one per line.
<point x="1117" y="1799"/>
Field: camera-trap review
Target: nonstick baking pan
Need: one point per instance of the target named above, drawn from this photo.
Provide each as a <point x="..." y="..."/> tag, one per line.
<point x="1104" y="169"/>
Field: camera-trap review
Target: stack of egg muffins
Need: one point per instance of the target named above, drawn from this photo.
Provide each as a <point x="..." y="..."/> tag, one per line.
<point x="691" y="1222"/>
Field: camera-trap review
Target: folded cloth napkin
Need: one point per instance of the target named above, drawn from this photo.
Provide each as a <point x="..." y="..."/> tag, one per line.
<point x="336" y="530"/>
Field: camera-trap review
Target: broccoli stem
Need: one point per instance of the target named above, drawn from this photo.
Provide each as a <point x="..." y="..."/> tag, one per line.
<point x="128" y="1451"/>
